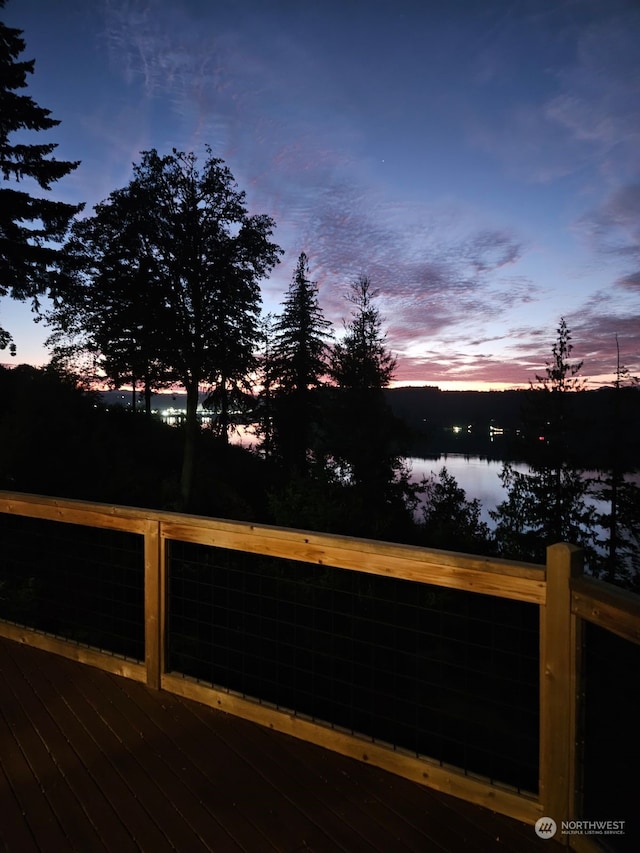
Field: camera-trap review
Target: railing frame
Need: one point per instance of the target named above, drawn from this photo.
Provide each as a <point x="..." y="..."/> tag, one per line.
<point x="564" y="596"/>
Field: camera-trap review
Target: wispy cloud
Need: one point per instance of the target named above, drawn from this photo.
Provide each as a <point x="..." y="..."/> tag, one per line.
<point x="277" y="114"/>
<point x="581" y="116"/>
<point x="613" y="231"/>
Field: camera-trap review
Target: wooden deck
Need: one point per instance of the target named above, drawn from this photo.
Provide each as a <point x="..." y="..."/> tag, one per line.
<point x="93" y="762"/>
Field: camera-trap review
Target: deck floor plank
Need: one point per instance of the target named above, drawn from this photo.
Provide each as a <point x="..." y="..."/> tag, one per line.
<point x="178" y="809"/>
<point x="152" y="785"/>
<point x="13" y="826"/>
<point x="279" y="818"/>
<point x="269" y="763"/>
<point x="198" y="777"/>
<point x="368" y="801"/>
<point x="42" y="703"/>
<point x="40" y="788"/>
<point x="90" y="760"/>
<point x="400" y="806"/>
<point x="101" y="752"/>
<point x="329" y="797"/>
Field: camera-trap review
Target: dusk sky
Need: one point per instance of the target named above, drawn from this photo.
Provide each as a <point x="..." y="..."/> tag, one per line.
<point x="479" y="160"/>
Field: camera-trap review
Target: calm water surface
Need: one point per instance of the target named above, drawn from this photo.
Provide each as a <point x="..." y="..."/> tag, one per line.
<point x="478" y="477"/>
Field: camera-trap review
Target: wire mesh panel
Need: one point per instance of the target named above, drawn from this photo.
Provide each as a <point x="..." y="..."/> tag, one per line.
<point x="611" y="752"/>
<point x="442" y="673"/>
<point x="81" y="583"/>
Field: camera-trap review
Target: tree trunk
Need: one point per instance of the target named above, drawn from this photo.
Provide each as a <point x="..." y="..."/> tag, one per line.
<point x="191" y="431"/>
<point x="147" y="396"/>
<point x="224" y="412"/>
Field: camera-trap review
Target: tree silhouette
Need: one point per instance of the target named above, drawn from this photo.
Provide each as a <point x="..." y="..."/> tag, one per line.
<point x="29" y="224"/>
<point x="361" y="360"/>
<point x="110" y="301"/>
<point x="363" y="437"/>
<point x="182" y="259"/>
<point x="263" y="414"/>
<point x="299" y="363"/>
<point x="621" y="494"/>
<point x="549" y="503"/>
<point x="450" y="520"/>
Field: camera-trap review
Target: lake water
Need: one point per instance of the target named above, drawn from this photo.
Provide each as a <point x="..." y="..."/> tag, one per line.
<point x="478" y="477"/>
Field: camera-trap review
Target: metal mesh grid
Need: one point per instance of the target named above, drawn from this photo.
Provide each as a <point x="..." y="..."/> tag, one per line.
<point x="82" y="583"/>
<point x="443" y="673"/>
<point x="611" y="745"/>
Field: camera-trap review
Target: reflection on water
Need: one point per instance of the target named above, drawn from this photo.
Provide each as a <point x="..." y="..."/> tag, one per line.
<point x="478" y="477"/>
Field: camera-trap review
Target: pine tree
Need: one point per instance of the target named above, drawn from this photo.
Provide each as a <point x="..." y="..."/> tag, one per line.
<point x="616" y="489"/>
<point x="299" y="363"/>
<point x="549" y="503"/>
<point x="362" y="427"/>
<point x="29" y="224"/>
<point x="450" y="520"/>
<point x="361" y="360"/>
<point x="364" y="439"/>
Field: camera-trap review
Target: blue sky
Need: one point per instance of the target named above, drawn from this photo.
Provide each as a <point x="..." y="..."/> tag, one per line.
<point x="479" y="160"/>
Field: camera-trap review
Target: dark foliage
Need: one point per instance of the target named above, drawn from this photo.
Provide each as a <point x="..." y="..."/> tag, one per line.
<point x="57" y="440"/>
<point x="297" y="366"/>
<point x="29" y="224"/>
<point x="177" y="259"/>
<point x="550" y="503"/>
<point x="451" y="521"/>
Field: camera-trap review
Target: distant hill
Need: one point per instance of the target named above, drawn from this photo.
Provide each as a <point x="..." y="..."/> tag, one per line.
<point x="605" y="418"/>
<point x="430" y="407"/>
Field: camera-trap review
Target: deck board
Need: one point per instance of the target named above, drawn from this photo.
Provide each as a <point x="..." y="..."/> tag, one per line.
<point x="91" y="761"/>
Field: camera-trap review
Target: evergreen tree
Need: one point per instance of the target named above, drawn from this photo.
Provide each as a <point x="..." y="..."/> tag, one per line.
<point x="617" y="489"/>
<point x="450" y="521"/>
<point x="362" y="426"/>
<point x="29" y="224"/>
<point x="361" y="360"/>
<point x="626" y="569"/>
<point x="549" y="503"/>
<point x="263" y="415"/>
<point x="364" y="439"/>
<point x="299" y="364"/>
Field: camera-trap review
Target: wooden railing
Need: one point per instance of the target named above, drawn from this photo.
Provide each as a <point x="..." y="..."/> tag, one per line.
<point x="565" y="599"/>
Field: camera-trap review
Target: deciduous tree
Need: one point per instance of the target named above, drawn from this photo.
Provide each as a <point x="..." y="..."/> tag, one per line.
<point x="187" y="258"/>
<point x="110" y="302"/>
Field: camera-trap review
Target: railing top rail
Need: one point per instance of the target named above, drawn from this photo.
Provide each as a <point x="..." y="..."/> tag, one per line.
<point x="506" y="578"/>
<point x="617" y="610"/>
<point x="74" y="511"/>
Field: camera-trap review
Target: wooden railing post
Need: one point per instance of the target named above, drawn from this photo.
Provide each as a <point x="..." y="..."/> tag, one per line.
<point x="153" y="603"/>
<point x="558" y="683"/>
